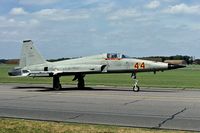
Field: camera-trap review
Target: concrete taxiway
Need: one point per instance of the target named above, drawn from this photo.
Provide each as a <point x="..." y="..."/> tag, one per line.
<point x="153" y="108"/>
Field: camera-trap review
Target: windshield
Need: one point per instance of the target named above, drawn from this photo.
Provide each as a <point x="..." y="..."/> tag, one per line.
<point x="125" y="56"/>
<point x="116" y="55"/>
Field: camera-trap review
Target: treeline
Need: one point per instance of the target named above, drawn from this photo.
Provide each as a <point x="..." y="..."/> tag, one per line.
<point x="188" y="59"/>
<point x="196" y="61"/>
<point x="9" y="61"/>
<point x="3" y="61"/>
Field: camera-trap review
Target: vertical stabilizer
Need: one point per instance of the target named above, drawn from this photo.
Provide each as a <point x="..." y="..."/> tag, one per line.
<point x="29" y="55"/>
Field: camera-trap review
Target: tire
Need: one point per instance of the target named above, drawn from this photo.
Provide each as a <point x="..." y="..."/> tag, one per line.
<point x="136" y="88"/>
<point x="59" y="87"/>
<point x="81" y="85"/>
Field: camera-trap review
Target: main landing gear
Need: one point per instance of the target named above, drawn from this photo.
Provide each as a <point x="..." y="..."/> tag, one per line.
<point x="136" y="88"/>
<point x="81" y="81"/>
<point x="56" y="83"/>
<point x="80" y="77"/>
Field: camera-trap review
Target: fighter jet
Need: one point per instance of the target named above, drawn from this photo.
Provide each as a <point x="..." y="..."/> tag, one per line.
<point x="32" y="64"/>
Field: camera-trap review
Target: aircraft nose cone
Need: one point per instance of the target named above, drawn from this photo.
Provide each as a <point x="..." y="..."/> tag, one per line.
<point x="175" y="66"/>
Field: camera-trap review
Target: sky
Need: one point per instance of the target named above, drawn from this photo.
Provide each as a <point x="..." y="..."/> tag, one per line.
<point x="74" y="28"/>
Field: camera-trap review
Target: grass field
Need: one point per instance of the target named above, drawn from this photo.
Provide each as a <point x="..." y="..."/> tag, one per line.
<point x="28" y="126"/>
<point x="182" y="78"/>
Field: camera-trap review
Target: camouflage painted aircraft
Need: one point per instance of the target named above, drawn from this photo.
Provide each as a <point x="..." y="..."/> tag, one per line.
<point x="32" y="64"/>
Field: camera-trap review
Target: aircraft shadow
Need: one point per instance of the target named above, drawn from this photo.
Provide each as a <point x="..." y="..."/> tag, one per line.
<point x="46" y="89"/>
<point x="30" y="87"/>
<point x="169" y="91"/>
<point x="49" y="89"/>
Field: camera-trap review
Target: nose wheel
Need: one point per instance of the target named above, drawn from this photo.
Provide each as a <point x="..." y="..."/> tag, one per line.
<point x="136" y="88"/>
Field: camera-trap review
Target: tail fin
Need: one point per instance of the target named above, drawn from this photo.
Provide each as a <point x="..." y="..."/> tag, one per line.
<point x="29" y="55"/>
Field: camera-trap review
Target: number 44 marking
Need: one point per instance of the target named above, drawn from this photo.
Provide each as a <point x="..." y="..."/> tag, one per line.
<point x="137" y="65"/>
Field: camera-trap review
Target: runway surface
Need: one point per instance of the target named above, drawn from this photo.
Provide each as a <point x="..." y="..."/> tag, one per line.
<point x="153" y="108"/>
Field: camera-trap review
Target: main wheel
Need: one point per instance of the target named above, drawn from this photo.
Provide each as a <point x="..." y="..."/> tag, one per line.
<point x="58" y="87"/>
<point x="136" y="88"/>
<point x="81" y="82"/>
<point x="81" y="85"/>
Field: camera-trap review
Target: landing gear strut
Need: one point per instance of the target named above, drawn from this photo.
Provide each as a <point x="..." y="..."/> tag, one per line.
<point x="81" y="81"/>
<point x="56" y="83"/>
<point x="136" y="88"/>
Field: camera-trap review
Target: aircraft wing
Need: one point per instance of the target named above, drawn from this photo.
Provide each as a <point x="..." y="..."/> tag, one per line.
<point x="68" y="70"/>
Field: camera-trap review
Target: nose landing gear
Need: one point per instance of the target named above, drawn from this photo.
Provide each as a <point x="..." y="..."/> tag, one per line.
<point x="136" y="88"/>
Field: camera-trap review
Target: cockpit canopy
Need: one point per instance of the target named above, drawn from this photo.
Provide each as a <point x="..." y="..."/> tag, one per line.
<point x="116" y="55"/>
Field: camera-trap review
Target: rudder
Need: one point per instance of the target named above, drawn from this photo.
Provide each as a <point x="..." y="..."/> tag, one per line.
<point x="29" y="55"/>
